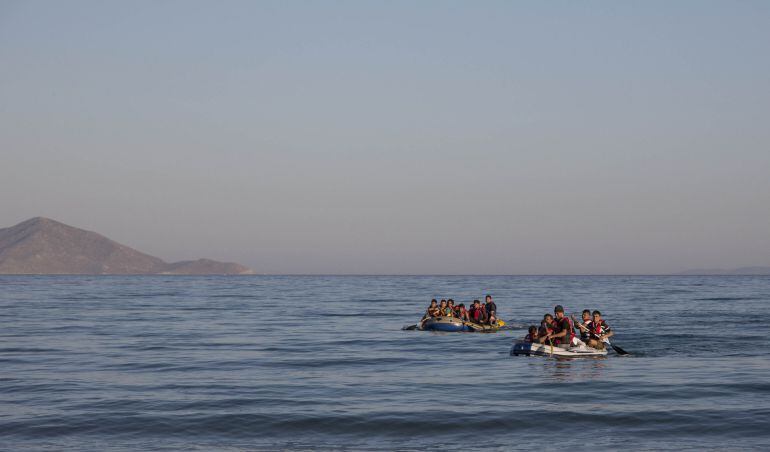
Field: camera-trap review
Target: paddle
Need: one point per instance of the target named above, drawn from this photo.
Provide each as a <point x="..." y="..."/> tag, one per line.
<point x="416" y="325"/>
<point x="617" y="349"/>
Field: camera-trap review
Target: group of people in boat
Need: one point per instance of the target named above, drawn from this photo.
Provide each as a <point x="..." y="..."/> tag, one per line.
<point x="477" y="312"/>
<point x="559" y="330"/>
<point x="555" y="329"/>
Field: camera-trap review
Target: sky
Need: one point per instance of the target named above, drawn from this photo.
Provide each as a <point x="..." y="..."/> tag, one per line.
<point x="395" y="137"/>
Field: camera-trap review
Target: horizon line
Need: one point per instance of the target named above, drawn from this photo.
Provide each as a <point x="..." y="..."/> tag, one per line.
<point x="389" y="274"/>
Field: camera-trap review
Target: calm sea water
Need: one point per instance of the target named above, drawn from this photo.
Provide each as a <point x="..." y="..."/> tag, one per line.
<point x="253" y="363"/>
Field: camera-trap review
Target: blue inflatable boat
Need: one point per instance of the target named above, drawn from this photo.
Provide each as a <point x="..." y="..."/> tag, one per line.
<point x="453" y="324"/>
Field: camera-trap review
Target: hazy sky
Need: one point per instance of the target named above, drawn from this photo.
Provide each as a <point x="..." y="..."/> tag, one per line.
<point x="395" y="137"/>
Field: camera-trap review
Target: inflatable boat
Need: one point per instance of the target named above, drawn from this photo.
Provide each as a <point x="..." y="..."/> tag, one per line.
<point x="454" y="324"/>
<point x="530" y="348"/>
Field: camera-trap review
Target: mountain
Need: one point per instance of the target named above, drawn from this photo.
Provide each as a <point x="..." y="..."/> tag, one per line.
<point x="44" y="246"/>
<point x="733" y="271"/>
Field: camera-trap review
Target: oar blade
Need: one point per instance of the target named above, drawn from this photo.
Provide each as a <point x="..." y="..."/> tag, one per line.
<point x="619" y="350"/>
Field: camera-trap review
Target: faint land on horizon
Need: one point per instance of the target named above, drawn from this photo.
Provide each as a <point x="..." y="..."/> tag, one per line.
<point x="44" y="246"/>
<point x="728" y="271"/>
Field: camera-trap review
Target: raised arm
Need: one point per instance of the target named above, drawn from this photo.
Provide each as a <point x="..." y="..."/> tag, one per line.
<point x="580" y="325"/>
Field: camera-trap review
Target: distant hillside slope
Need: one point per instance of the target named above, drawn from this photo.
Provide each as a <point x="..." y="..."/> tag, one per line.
<point x="733" y="271"/>
<point x="44" y="246"/>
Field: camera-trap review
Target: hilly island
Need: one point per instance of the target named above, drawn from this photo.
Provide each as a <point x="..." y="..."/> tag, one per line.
<point x="43" y="246"/>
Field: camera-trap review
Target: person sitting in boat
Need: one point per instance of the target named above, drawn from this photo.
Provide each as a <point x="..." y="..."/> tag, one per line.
<point x="599" y="331"/>
<point x="531" y="334"/>
<point x="563" y="332"/>
<point x="442" y="308"/>
<point x="433" y="310"/>
<point x="477" y="313"/>
<point x="462" y="313"/>
<point x="491" y="309"/>
<point x="450" y="308"/>
<point x="584" y="326"/>
<point x="546" y="328"/>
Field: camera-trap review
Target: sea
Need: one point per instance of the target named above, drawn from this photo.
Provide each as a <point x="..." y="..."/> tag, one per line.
<point x="118" y="363"/>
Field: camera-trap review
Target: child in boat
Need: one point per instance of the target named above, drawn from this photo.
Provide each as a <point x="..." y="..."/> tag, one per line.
<point x="599" y="331"/>
<point x="532" y="334"/>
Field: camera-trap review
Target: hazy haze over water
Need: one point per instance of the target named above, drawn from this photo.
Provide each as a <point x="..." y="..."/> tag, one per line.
<point x="351" y="137"/>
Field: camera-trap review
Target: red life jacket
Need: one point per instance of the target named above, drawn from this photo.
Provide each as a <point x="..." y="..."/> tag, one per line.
<point x="567" y="338"/>
<point x="597" y="329"/>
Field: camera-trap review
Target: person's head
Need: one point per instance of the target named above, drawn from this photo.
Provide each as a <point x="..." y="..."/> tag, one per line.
<point x="597" y="316"/>
<point x="443" y="300"/>
<point x="558" y="311"/>
<point x="433" y="302"/>
<point x="488" y="298"/>
<point x="461" y="306"/>
<point x="450" y="302"/>
<point x="476" y="303"/>
<point x="586" y="315"/>
<point x="532" y="330"/>
<point x="548" y="319"/>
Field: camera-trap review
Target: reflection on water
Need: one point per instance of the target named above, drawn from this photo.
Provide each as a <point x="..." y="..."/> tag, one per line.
<point x="582" y="369"/>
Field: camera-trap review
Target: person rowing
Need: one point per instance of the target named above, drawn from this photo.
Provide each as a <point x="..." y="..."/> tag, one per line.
<point x="584" y="325"/>
<point x="599" y="331"/>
